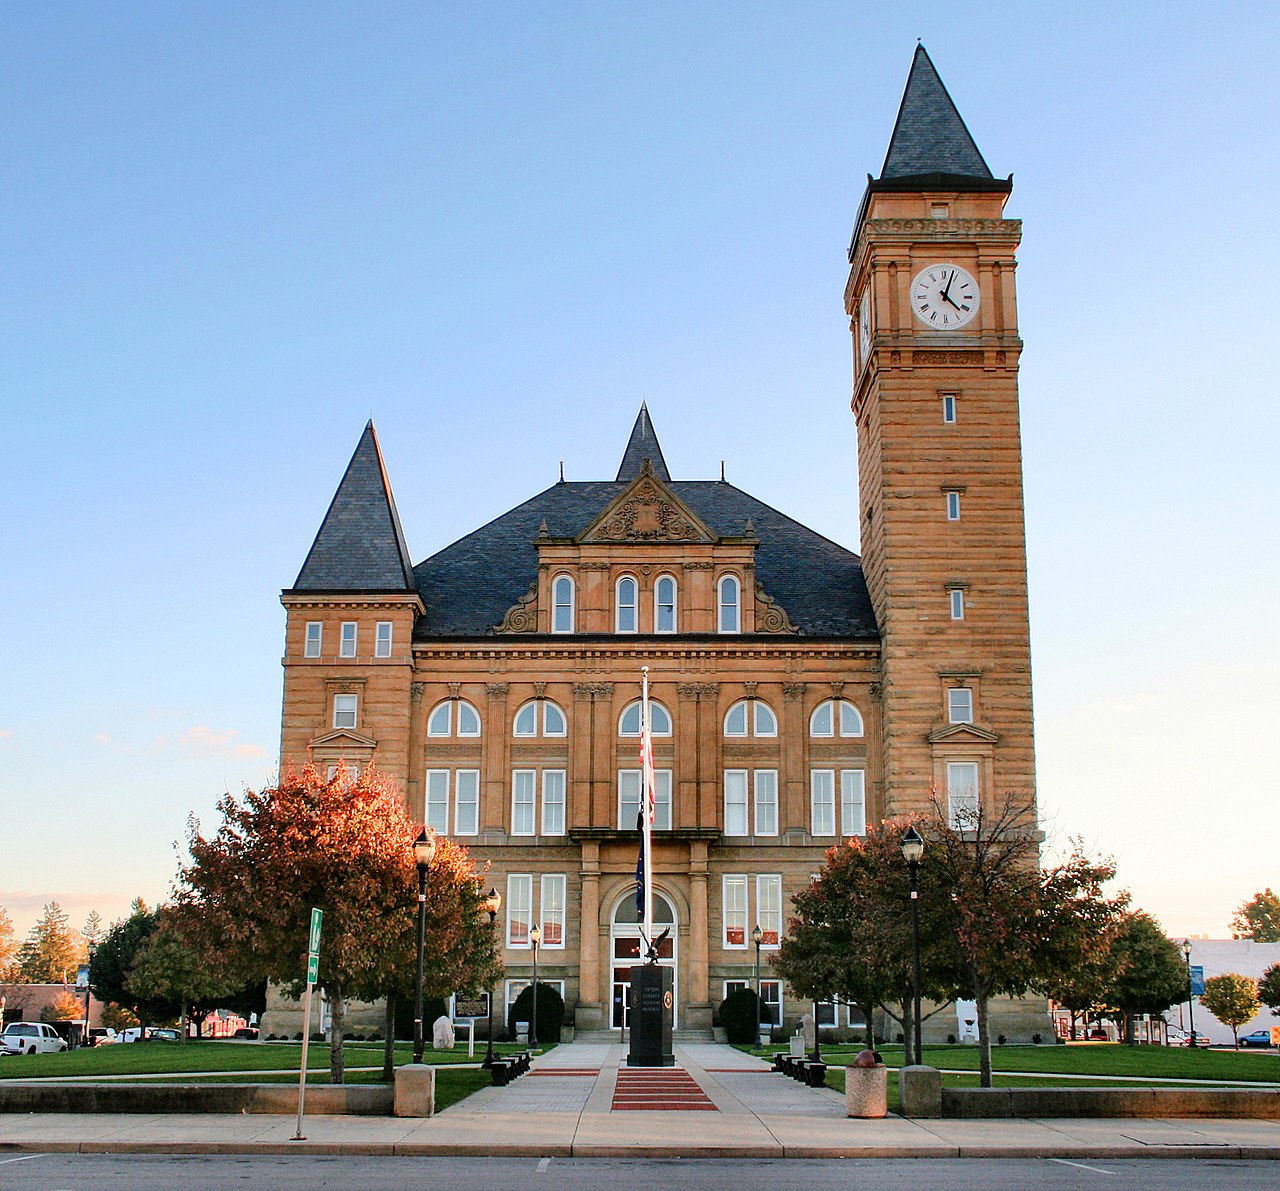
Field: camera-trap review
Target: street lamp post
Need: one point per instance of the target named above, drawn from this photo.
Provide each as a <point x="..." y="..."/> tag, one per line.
<point x="424" y="849"/>
<point x="912" y="850"/>
<point x="535" y="937"/>
<point x="756" y="936"/>
<point x="1191" y="1009"/>
<point x="491" y="905"/>
<point x="87" y="991"/>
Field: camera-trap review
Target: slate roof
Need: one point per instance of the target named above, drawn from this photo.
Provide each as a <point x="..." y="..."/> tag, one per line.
<point x="930" y="137"/>
<point x="643" y="444"/>
<point x="469" y="586"/>
<point x="360" y="546"/>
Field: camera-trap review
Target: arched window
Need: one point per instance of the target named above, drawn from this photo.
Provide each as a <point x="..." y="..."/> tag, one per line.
<point x="659" y="719"/>
<point x="553" y="719"/>
<point x="750" y="717"/>
<point x="730" y="619"/>
<point x="562" y="604"/>
<point x="825" y="719"/>
<point x="444" y="720"/>
<point x="627" y="605"/>
<point x="664" y="604"/>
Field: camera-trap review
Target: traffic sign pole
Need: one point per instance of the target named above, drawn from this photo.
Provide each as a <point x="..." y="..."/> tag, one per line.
<point x="313" y="974"/>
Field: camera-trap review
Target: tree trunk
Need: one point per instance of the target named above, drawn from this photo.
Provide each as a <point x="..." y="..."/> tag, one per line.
<point x="984" y="1042"/>
<point x="1130" y="1039"/>
<point x="1073" y="1026"/>
<point x="867" y="1021"/>
<point x="908" y="1031"/>
<point x="337" y="1029"/>
<point x="389" y="1045"/>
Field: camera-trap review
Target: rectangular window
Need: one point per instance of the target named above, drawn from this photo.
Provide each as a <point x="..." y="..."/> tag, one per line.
<point x="853" y="802"/>
<point x="771" y="995"/>
<point x="953" y="506"/>
<point x="735" y="802"/>
<point x="735" y="911"/>
<point x="551" y="909"/>
<point x="960" y="705"/>
<point x="466" y="806"/>
<point x="957" y="603"/>
<point x="347" y="647"/>
<point x="519" y="908"/>
<point x="769" y="908"/>
<point x="382" y="642"/>
<point x="437" y="815"/>
<point x="353" y="771"/>
<point x="629" y="799"/>
<point x="553" y="802"/>
<point x="315" y="635"/>
<point x="949" y="407"/>
<point x="766" y="782"/>
<point x="344" y="710"/>
<point x="825" y="1014"/>
<point x="524" y="786"/>
<point x="822" y="802"/>
<point x="962" y="792"/>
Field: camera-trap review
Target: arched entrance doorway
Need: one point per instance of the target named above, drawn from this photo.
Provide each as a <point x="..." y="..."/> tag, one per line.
<point x="626" y="950"/>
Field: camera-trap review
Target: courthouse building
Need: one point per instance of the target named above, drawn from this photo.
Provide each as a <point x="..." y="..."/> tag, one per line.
<point x="799" y="691"/>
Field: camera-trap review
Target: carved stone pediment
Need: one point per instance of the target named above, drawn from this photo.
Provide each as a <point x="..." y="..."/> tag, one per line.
<point x="343" y="738"/>
<point x="522" y="617"/>
<point x="963" y="734"/>
<point x="771" y="617"/>
<point x="647" y="511"/>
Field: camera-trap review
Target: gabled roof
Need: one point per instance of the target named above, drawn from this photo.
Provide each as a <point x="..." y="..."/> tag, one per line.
<point x="360" y="546"/>
<point x="643" y="444"/>
<point x="930" y="137"/>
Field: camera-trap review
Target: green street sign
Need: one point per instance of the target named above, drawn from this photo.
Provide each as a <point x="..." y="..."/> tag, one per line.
<point x="313" y="968"/>
<point x="313" y="947"/>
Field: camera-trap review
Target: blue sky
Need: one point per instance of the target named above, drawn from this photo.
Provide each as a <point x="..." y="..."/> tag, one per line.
<point x="233" y="232"/>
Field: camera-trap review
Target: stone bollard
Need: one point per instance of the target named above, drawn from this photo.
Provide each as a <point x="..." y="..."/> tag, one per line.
<point x="866" y="1087"/>
<point x="920" y="1091"/>
<point x="415" y="1090"/>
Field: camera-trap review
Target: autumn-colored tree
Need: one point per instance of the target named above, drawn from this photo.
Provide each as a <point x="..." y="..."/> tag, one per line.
<point x="1013" y="923"/>
<point x="1149" y="973"/>
<point x="64" y="1007"/>
<point x="8" y="949"/>
<point x="93" y="929"/>
<point x="345" y="847"/>
<point x="1258" y="918"/>
<point x="118" y="1017"/>
<point x="1233" y="1000"/>
<point x="851" y="937"/>
<point x="1269" y="987"/>
<point x="53" y="950"/>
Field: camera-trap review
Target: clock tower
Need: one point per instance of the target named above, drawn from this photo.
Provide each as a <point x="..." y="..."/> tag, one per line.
<point x="933" y="312"/>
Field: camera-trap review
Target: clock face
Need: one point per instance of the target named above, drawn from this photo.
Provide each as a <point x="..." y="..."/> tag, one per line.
<point x="944" y="297"/>
<point x="864" y="326"/>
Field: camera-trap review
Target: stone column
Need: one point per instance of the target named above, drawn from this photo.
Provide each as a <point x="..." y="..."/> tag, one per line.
<point x="699" y="993"/>
<point x="794" y="812"/>
<point x="590" y="1011"/>
<point x="497" y="761"/>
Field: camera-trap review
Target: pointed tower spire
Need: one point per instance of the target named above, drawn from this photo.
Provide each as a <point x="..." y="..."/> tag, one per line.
<point x="930" y="137"/>
<point x="360" y="546"/>
<point x="643" y="444"/>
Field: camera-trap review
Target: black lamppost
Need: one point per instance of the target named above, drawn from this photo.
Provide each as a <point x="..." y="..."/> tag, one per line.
<point x="756" y="936"/>
<point x="87" y="991"/>
<point x="912" y="850"/>
<point x="491" y="905"/>
<point x="535" y="937"/>
<point x="424" y="849"/>
<point x="817" y="1042"/>
<point x="1191" y="1011"/>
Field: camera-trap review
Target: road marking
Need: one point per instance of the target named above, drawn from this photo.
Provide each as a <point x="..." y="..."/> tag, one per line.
<point x="543" y="1163"/>
<point x="24" y="1158"/>
<point x="1082" y="1166"/>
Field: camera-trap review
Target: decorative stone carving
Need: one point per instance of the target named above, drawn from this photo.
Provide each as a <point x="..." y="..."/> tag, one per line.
<point x="539" y="690"/>
<point x="594" y="566"/>
<point x="497" y="690"/>
<point x="648" y="512"/>
<point x="962" y="227"/>
<point x="592" y="690"/>
<point x="523" y="616"/>
<point x="771" y="617"/>
<point x="793" y="692"/>
<point x="837" y="688"/>
<point x="415" y="692"/>
<point x="697" y="690"/>
<point x="455" y="690"/>
<point x="751" y="689"/>
<point x="699" y="566"/>
<point x="875" y="688"/>
<point x="963" y="356"/>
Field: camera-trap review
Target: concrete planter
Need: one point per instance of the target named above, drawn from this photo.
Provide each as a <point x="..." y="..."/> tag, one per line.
<point x="866" y="1092"/>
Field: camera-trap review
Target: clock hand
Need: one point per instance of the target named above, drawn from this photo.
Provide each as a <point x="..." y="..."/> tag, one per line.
<point x="945" y="298"/>
<point x="946" y="289"/>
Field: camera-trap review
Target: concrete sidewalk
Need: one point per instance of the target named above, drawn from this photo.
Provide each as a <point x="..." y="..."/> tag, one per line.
<point x="563" y="1108"/>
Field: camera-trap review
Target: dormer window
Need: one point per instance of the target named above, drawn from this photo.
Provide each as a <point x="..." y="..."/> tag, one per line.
<point x="730" y="619"/>
<point x="664" y="604"/>
<point x="562" y="604"/>
<point x="627" y="605"/>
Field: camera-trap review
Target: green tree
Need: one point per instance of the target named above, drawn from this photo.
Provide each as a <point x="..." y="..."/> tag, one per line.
<point x="1233" y="1000"/>
<point x="53" y="950"/>
<point x="113" y="961"/>
<point x="1269" y="987"/>
<point x="1012" y="922"/>
<point x="168" y="970"/>
<point x="1258" y="918"/>
<point x="9" y="970"/>
<point x="93" y="929"/>
<point x="1149" y="971"/>
<point x="345" y="847"/>
<point x="1081" y="987"/>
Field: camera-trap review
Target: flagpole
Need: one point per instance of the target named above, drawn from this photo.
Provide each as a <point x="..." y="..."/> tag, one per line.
<point x="647" y="803"/>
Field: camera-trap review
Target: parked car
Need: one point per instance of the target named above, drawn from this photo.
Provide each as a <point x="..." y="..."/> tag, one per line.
<point x="163" y="1034"/>
<point x="1257" y="1038"/>
<point x="246" y="1032"/>
<point x="31" y="1037"/>
<point x="102" y="1036"/>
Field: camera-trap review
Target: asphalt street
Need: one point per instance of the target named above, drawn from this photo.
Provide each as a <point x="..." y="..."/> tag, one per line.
<point x="157" y="1172"/>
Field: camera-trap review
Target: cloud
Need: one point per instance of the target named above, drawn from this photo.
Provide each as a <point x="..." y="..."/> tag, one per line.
<point x="6" y="734"/>
<point x="203" y="741"/>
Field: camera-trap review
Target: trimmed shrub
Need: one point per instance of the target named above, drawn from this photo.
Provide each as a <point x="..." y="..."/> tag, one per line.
<point x="738" y="1015"/>
<point x="550" y="1012"/>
